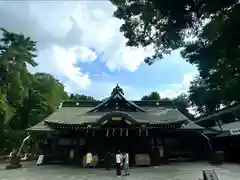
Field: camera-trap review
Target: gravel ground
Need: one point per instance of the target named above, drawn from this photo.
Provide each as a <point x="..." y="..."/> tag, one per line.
<point x="174" y="171"/>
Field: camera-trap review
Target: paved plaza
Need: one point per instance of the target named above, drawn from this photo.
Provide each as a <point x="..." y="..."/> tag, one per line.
<point x="176" y="171"/>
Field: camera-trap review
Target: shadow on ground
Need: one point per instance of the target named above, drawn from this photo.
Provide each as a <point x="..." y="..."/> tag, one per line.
<point x="176" y="171"/>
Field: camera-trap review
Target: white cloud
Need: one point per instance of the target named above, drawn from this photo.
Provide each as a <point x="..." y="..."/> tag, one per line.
<point x="60" y="61"/>
<point x="65" y="32"/>
<point x="176" y="89"/>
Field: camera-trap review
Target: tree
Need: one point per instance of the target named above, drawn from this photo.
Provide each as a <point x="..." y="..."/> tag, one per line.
<point x="81" y="97"/>
<point x="25" y="98"/>
<point x="42" y="99"/>
<point x="182" y="103"/>
<point x="152" y="96"/>
<point x="216" y="54"/>
<point x="206" y="99"/>
<point x="165" y="24"/>
<point x="16" y="51"/>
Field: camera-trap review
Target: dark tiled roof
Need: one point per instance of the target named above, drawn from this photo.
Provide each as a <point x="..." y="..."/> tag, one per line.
<point x="142" y="104"/>
<point x="79" y="115"/>
<point x="80" y="103"/>
<point x="232" y="108"/>
<point x="227" y="127"/>
<point x="154" y="103"/>
<point x="191" y="125"/>
<point x="76" y="115"/>
<point x="84" y="112"/>
<point x="39" y="127"/>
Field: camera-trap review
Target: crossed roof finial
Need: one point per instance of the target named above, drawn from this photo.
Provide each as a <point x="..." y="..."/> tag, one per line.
<point x="117" y="89"/>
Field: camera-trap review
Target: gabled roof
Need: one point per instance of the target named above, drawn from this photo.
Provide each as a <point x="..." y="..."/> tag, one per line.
<point x="117" y="95"/>
<point x="83" y="113"/>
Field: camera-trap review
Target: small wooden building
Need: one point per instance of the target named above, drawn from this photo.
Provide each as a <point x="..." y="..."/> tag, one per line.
<point x="152" y="130"/>
<point x="223" y="129"/>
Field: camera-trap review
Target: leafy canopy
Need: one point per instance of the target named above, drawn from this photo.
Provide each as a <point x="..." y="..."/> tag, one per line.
<point x="165" y="24"/>
<point x="25" y="98"/>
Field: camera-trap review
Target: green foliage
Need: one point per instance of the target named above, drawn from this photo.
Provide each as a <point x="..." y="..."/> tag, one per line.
<point x="217" y="56"/>
<point x="214" y="24"/>
<point x="152" y="96"/>
<point x="81" y="97"/>
<point x="165" y="24"/>
<point x="25" y="98"/>
<point x="182" y="104"/>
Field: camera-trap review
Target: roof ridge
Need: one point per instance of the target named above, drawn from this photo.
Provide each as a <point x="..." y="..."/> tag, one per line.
<point x="115" y="93"/>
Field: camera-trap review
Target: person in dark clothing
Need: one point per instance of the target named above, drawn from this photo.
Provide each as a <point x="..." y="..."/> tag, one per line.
<point x="107" y="160"/>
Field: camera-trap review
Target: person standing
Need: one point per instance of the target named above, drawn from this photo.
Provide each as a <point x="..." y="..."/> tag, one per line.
<point x="126" y="164"/>
<point x="107" y="160"/>
<point x="88" y="159"/>
<point x="118" y="163"/>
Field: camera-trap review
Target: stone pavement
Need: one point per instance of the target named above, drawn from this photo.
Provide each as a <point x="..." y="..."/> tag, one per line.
<point x="176" y="171"/>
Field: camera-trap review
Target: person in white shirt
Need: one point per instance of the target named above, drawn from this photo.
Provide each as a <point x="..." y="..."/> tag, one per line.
<point x="118" y="163"/>
<point x="88" y="159"/>
<point x="126" y="164"/>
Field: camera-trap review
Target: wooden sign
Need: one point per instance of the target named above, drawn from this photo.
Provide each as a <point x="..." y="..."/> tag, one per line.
<point x="209" y="174"/>
<point x="116" y="118"/>
<point x="235" y="131"/>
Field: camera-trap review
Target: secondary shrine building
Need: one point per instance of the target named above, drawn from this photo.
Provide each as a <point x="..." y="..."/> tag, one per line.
<point x="152" y="132"/>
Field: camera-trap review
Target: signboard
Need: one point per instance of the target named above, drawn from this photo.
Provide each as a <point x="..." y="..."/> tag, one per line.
<point x="64" y="142"/>
<point x="40" y="159"/>
<point x="116" y="118"/>
<point x="235" y="131"/>
<point x="209" y="174"/>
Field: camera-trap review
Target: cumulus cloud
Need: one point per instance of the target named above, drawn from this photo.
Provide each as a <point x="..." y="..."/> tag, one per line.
<point x="67" y="33"/>
<point x="176" y="89"/>
<point x="60" y="62"/>
<point x="73" y="32"/>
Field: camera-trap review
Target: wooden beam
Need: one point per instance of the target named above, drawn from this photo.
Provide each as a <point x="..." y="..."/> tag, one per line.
<point x="146" y="130"/>
<point x="107" y="132"/>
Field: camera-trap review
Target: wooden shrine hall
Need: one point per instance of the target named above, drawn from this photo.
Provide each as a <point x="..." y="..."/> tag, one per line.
<point x="152" y="132"/>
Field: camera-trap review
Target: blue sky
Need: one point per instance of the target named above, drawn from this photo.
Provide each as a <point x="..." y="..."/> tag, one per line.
<point x="80" y="44"/>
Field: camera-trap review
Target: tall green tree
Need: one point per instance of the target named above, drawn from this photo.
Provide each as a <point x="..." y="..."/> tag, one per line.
<point x="206" y="99"/>
<point x="212" y="30"/>
<point x="42" y="99"/>
<point x="165" y="24"/>
<point x="216" y="54"/>
<point x="16" y="51"/>
<point x="25" y="98"/>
